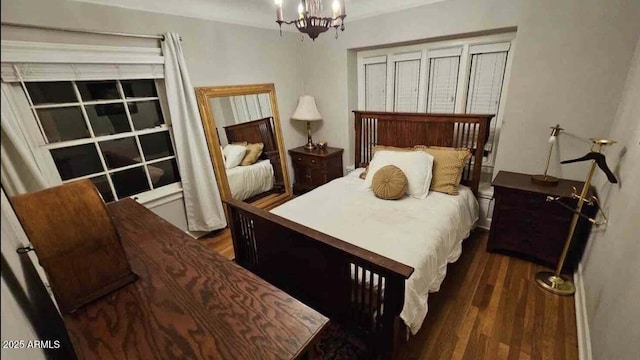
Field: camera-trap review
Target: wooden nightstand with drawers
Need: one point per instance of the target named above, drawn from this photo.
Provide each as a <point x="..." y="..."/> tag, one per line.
<point x="314" y="168"/>
<point x="528" y="226"/>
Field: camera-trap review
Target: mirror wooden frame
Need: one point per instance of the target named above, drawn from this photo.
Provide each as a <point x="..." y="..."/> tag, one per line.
<point x="204" y="94"/>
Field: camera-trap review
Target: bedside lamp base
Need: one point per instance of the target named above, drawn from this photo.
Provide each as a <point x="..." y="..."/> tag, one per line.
<point x="310" y="145"/>
<point x="544" y="180"/>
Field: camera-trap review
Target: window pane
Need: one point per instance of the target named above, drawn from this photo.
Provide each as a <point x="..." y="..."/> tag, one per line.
<point x="157" y="145"/>
<point x="98" y="90"/>
<point x="61" y="124"/>
<point x="130" y="182"/>
<point x="57" y="92"/>
<point x="443" y="83"/>
<point x="102" y="185"/>
<point x="119" y="153"/>
<point x="406" y="85"/>
<point x="76" y="161"/>
<point x="163" y="173"/>
<point x="146" y="114"/>
<point x="375" y="90"/>
<point x="139" y="88"/>
<point x="108" y="119"/>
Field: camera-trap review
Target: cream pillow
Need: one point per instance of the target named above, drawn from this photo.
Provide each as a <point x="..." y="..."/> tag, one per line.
<point x="416" y="165"/>
<point x="253" y="153"/>
<point x="389" y="183"/>
<point x="233" y="155"/>
<point x="448" y="166"/>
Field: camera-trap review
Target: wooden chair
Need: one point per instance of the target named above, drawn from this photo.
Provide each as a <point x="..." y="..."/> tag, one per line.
<point x="76" y="242"/>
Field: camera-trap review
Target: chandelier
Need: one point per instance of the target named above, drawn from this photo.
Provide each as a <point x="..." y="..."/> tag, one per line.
<point x="310" y="21"/>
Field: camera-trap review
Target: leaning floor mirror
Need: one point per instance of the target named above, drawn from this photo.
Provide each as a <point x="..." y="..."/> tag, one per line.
<point x="245" y="142"/>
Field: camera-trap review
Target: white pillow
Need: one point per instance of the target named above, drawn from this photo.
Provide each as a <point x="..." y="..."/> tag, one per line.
<point x="416" y="165"/>
<point x="233" y="155"/>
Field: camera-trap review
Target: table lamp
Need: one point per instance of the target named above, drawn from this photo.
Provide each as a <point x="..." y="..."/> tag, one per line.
<point x="307" y="111"/>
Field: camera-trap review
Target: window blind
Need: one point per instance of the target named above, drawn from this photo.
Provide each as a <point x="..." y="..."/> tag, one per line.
<point x="375" y="88"/>
<point x="485" y="87"/>
<point x="407" y="76"/>
<point x="33" y="61"/>
<point x="442" y="85"/>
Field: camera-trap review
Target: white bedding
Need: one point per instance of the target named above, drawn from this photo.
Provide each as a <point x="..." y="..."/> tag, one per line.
<point x="425" y="234"/>
<point x="250" y="180"/>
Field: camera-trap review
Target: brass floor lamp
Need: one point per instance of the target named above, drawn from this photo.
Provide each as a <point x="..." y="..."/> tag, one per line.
<point x="554" y="282"/>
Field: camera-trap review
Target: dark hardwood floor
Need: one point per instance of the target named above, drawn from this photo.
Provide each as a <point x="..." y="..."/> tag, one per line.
<point x="488" y="307"/>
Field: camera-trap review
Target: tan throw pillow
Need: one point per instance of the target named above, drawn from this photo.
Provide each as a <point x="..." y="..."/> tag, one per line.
<point x="389" y="183"/>
<point x="448" y="165"/>
<point x="253" y="153"/>
<point x="242" y="143"/>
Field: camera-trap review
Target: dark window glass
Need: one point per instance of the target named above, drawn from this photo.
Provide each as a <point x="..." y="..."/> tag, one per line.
<point x="57" y="92"/>
<point x="108" y="119"/>
<point x="146" y="114"/>
<point x="98" y="90"/>
<point x="130" y="182"/>
<point x="61" y="124"/>
<point x="139" y="88"/>
<point x="163" y="173"/>
<point x="156" y="145"/>
<point x="76" y="161"/>
<point x="120" y="153"/>
<point x="102" y="185"/>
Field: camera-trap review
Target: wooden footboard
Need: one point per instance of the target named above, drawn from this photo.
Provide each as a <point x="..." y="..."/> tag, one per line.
<point x="350" y="285"/>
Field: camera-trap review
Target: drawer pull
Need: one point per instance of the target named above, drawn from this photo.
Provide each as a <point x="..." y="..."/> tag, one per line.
<point x="299" y="159"/>
<point x="313" y="161"/>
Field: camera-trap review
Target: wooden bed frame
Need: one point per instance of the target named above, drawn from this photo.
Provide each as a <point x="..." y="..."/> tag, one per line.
<point x="256" y="131"/>
<point x="333" y="276"/>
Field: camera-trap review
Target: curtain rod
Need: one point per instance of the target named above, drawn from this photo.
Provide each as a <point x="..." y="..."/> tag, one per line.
<point x="144" y="36"/>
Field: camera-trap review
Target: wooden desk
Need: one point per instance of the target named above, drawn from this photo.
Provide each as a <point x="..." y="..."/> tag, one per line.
<point x="189" y="303"/>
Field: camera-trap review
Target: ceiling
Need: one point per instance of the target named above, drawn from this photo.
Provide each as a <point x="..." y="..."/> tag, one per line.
<point x="259" y="13"/>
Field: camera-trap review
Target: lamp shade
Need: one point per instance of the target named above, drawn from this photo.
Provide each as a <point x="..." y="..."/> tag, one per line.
<point x="307" y="109"/>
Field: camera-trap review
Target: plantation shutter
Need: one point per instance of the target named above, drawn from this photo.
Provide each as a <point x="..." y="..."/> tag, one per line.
<point x="407" y="77"/>
<point x="485" y="87"/>
<point x="375" y="86"/>
<point x="443" y="83"/>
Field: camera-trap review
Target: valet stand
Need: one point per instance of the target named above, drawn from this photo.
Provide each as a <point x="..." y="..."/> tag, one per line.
<point x="554" y="282"/>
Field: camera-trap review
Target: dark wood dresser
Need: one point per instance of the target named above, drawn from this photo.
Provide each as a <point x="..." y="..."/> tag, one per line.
<point x="526" y="225"/>
<point x="188" y="303"/>
<point x="315" y="168"/>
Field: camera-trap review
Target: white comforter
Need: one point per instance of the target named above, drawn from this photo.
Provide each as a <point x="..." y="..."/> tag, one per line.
<point x="424" y="234"/>
<point x="250" y="180"/>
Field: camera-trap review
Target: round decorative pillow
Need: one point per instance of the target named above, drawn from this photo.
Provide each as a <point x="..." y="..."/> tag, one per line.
<point x="389" y="183"/>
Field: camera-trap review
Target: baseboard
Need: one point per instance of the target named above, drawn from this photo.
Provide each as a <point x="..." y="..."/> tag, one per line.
<point x="582" y="323"/>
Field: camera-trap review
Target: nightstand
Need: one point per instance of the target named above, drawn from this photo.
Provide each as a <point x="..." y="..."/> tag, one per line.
<point x="528" y="226"/>
<point x="314" y="168"/>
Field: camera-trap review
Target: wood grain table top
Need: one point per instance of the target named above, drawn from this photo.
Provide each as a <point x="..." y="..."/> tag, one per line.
<point x="188" y="303"/>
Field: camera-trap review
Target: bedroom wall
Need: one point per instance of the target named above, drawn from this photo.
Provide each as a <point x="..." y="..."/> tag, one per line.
<point x="216" y="53"/>
<point x="569" y="64"/>
<point x="610" y="271"/>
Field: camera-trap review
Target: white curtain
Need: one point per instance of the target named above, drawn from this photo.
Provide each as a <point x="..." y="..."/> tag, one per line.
<point x="22" y="169"/>
<point x="201" y="195"/>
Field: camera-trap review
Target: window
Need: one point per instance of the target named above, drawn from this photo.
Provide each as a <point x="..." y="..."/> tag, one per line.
<point x="110" y="131"/>
<point x="453" y="76"/>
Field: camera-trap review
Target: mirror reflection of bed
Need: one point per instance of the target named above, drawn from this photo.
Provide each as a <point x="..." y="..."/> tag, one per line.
<point x="242" y="127"/>
<point x="246" y="131"/>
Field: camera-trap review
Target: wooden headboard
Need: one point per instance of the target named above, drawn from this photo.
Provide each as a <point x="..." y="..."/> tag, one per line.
<point x="256" y="131"/>
<point x="410" y="129"/>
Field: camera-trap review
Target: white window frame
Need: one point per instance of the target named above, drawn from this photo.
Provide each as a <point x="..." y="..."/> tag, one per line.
<point x="465" y="48"/>
<point x="391" y="74"/>
<point x="89" y="63"/>
<point x="149" y="195"/>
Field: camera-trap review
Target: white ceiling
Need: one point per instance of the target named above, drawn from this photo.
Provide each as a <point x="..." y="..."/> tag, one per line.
<point x="259" y="13"/>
